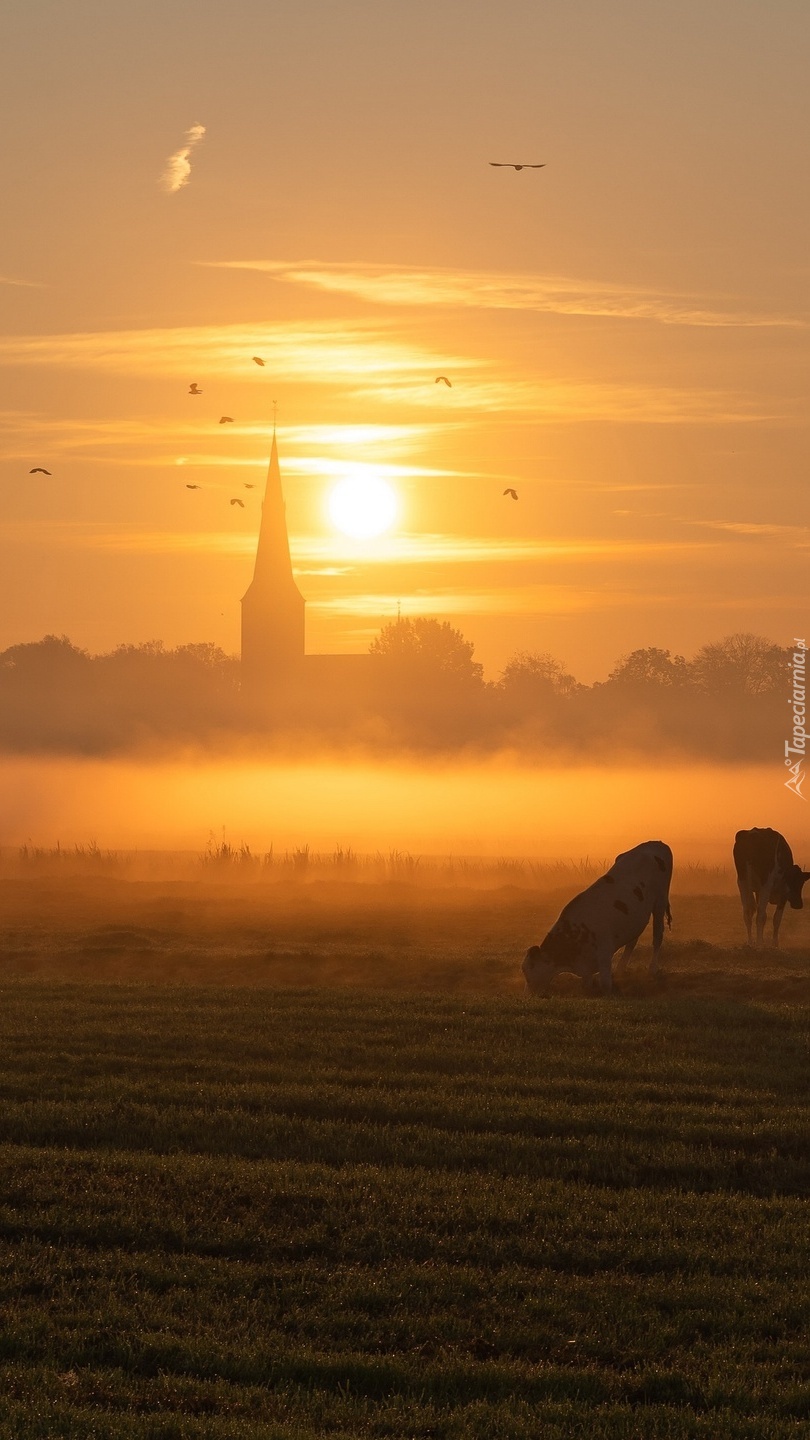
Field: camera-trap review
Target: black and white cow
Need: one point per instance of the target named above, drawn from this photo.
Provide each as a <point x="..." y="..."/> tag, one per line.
<point x="611" y="914"/>
<point x="766" y="875"/>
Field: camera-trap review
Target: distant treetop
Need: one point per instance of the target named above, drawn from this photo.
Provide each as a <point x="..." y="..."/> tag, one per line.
<point x="423" y="647"/>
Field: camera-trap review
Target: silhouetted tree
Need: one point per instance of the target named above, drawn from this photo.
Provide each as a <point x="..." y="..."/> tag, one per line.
<point x="651" y="668"/>
<point x="533" y="683"/>
<point x="532" y="678"/>
<point x="54" y="695"/>
<point x="425" y="650"/>
<point x="183" y="691"/>
<point x="428" y="686"/>
<point x="429" y="691"/>
<point x="533" y="700"/>
<point x="43" y="695"/>
<point x="742" y="664"/>
<point x="53" y="658"/>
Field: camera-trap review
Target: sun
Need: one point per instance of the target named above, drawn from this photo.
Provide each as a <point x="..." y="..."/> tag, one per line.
<point x="362" y="506"/>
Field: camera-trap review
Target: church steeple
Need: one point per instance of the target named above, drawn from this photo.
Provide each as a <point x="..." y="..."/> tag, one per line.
<point x="272" y="606"/>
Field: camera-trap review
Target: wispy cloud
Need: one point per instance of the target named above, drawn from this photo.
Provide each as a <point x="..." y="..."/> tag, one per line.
<point x="564" y="401"/>
<point x="140" y="437"/>
<point x="331" y="554"/>
<point x="511" y="601"/>
<point x="524" y="602"/>
<point x="444" y="549"/>
<point x="125" y="539"/>
<point x="375" y="365"/>
<point x="552" y="294"/>
<point x="754" y="530"/>
<point x="178" y="165"/>
<point x="317" y="353"/>
<point x="25" y="284"/>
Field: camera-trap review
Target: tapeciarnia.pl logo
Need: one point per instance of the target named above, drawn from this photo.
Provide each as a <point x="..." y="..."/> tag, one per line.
<point x="798" y="747"/>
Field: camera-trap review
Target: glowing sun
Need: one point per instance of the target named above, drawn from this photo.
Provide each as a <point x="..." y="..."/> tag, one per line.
<point x="362" y="506"/>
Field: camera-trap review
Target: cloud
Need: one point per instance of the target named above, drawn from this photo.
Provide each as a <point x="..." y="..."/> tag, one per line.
<point x="564" y="401"/>
<point x="178" y="165"/>
<point x="335" y="550"/>
<point x="754" y="530"/>
<point x="517" y="601"/>
<point x="328" y="449"/>
<point x="552" y="294"/>
<point x="375" y="365"/>
<point x="318" y="353"/>
<point x="443" y="549"/>
<point x="26" y="284"/>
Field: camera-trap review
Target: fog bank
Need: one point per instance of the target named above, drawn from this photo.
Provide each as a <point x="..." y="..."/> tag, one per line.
<point x="492" y="808"/>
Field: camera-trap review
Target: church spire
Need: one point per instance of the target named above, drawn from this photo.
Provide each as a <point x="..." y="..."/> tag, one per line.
<point x="273" y="566"/>
<point x="272" y="606"/>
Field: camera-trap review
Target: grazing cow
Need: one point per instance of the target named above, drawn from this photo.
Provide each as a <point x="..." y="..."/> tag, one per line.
<point x="766" y="875"/>
<point x="611" y="913"/>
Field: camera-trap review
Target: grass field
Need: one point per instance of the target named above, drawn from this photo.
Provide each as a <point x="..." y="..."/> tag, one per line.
<point x="395" y="924"/>
<point x="347" y="1181"/>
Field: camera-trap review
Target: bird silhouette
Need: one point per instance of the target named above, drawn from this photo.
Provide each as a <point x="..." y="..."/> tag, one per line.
<point x="38" y="470"/>
<point x="248" y="487"/>
<point x="226" y="419"/>
<point x="511" y="492"/>
<point x="257" y="360"/>
<point x="510" y="165"/>
<point x="445" y="379"/>
<point x="194" y="388"/>
<point x="194" y="487"/>
<point x="238" y="502"/>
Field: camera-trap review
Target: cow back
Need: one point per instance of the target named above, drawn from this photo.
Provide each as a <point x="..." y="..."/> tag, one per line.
<point x="619" y="904"/>
<point x="761" y="852"/>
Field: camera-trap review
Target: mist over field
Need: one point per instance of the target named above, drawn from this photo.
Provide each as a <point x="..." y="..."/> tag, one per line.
<point x="491" y="807"/>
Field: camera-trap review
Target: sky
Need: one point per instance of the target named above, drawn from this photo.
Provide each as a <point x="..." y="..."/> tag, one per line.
<point x="625" y="330"/>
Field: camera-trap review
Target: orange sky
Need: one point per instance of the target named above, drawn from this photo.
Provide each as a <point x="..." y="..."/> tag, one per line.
<point x="626" y="330"/>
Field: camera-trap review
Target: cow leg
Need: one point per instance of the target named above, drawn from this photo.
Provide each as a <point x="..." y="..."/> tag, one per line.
<point x="621" y="963"/>
<point x="657" y="939"/>
<point x="748" y="906"/>
<point x="605" y="959"/>
<point x="777" y="921"/>
<point x="762" y="915"/>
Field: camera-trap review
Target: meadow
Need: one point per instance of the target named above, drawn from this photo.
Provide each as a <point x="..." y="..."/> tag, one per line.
<point x="286" y="1154"/>
<point x="385" y="921"/>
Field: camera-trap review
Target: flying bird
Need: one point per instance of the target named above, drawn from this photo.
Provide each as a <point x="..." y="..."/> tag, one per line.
<point x="226" y="419"/>
<point x="248" y="487"/>
<point x="257" y="360"/>
<point x="510" y="165"/>
<point x="38" y="470"/>
<point x="445" y="379"/>
<point x="238" y="502"/>
<point x="194" y="487"/>
<point x="511" y="492"/>
<point x="194" y="388"/>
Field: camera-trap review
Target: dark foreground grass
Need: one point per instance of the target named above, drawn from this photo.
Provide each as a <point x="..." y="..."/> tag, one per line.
<point x="234" y="1213"/>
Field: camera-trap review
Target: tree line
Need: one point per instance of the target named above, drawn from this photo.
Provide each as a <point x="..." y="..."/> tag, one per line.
<point x="425" y="689"/>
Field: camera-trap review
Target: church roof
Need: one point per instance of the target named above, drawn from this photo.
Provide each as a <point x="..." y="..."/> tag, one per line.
<point x="272" y="571"/>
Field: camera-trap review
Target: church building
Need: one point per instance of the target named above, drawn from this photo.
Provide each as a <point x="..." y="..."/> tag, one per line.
<point x="276" y="669"/>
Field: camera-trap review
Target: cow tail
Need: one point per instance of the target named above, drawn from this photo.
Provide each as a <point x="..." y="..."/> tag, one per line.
<point x="669" y="917"/>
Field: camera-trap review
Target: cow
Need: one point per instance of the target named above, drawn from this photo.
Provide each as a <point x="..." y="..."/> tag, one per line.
<point x="611" y="914"/>
<point x="766" y="875"/>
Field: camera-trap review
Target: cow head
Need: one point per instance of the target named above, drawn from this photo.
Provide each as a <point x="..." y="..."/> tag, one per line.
<point x="794" y="880"/>
<point x="538" y="970"/>
<point x="562" y="949"/>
